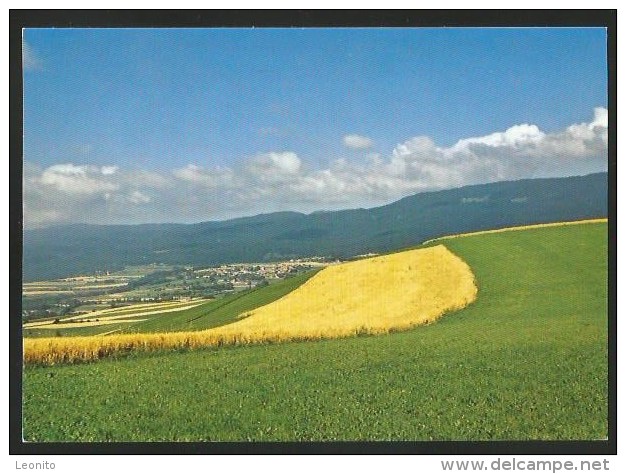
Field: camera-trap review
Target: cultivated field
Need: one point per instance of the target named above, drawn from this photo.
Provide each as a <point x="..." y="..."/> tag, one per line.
<point x="115" y="313"/>
<point x="527" y="360"/>
<point x="369" y="296"/>
<point x="172" y="316"/>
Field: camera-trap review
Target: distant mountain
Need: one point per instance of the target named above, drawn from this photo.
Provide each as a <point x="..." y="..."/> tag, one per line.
<point x="61" y="251"/>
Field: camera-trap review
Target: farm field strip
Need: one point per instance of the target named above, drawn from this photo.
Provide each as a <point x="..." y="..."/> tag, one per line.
<point x="99" y="286"/>
<point x="47" y="284"/>
<point x="105" y="318"/>
<point x="116" y="276"/>
<point x="46" y="292"/>
<point x="71" y="285"/>
<point x="146" y="311"/>
<point x="418" y="286"/>
<point x="142" y="306"/>
<point x="135" y="309"/>
<point x="37" y="324"/>
<point x="522" y="227"/>
<point x="89" y="324"/>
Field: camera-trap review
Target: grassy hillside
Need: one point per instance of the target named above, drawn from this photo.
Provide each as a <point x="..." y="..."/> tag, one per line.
<point x="528" y="360"/>
<point x="207" y="315"/>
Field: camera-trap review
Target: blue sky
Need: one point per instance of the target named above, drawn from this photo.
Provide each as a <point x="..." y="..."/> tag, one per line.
<point x="313" y="114"/>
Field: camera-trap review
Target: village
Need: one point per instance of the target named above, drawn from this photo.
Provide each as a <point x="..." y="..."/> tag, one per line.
<point x="252" y="274"/>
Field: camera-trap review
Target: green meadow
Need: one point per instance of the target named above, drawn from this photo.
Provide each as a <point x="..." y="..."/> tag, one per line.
<point x="526" y="361"/>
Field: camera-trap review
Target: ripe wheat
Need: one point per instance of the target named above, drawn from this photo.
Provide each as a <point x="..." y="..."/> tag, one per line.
<point x="370" y="296"/>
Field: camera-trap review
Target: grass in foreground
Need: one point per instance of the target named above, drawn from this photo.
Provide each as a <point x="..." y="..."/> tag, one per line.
<point x="528" y="360"/>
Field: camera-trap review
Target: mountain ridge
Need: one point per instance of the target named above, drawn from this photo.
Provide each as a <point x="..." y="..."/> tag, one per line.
<point x="70" y="249"/>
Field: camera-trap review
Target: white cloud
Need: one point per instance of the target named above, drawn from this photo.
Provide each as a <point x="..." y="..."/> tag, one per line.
<point x="275" y="165"/>
<point x="72" y="179"/>
<point x="209" y="178"/>
<point x="284" y="181"/>
<point x="357" y="142"/>
<point x="137" y="197"/>
<point x="108" y="170"/>
<point x="97" y="194"/>
<point x="150" y="179"/>
<point x="192" y="173"/>
<point x="517" y="136"/>
<point x="520" y="151"/>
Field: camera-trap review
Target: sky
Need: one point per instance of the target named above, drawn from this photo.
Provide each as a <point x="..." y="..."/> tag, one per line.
<point x="189" y="125"/>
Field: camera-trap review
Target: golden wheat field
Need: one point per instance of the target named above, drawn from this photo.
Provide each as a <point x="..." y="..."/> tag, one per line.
<point x="370" y="296"/>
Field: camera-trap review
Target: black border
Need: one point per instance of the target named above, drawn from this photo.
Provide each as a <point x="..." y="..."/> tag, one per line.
<point x="19" y="19"/>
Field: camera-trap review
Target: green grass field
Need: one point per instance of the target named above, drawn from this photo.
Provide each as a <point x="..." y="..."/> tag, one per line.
<point x="528" y="360"/>
<point x="207" y="315"/>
